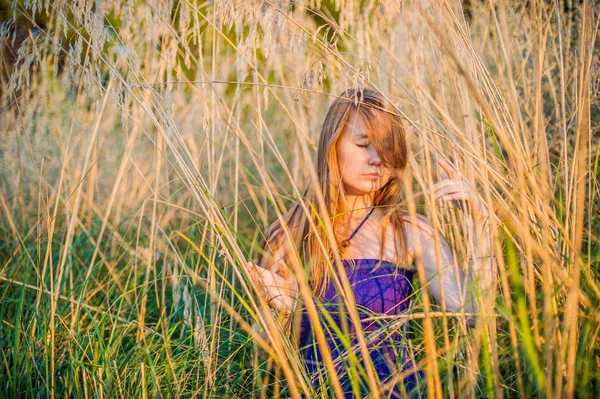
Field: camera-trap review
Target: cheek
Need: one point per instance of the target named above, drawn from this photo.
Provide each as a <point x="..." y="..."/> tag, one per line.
<point x="351" y="163"/>
<point x="344" y="158"/>
<point x="341" y="163"/>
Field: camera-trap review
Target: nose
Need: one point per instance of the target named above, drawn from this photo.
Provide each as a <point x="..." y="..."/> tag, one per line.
<point x="374" y="158"/>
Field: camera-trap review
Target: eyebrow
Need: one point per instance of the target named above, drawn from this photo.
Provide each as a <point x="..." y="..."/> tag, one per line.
<point x="359" y="136"/>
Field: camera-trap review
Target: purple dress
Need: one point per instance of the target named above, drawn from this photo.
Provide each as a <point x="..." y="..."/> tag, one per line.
<point x="383" y="290"/>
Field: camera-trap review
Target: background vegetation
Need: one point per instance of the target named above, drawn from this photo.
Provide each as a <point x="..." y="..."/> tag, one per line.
<point x="146" y="145"/>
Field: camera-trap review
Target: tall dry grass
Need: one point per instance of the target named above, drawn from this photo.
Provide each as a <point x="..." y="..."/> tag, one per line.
<point x="147" y="145"/>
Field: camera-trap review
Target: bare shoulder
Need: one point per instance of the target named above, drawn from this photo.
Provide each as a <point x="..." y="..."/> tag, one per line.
<point x="418" y="228"/>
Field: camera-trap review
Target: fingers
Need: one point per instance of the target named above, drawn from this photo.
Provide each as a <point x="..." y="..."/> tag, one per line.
<point x="281" y="268"/>
<point x="449" y="175"/>
<point x="452" y="188"/>
<point x="441" y="184"/>
<point x="262" y="282"/>
<point x="256" y="277"/>
<point x="265" y="280"/>
<point x="252" y="270"/>
<point x="453" y="197"/>
<point x="260" y="278"/>
<point x="448" y="186"/>
<point x="448" y="170"/>
<point x="276" y="290"/>
<point x="459" y="190"/>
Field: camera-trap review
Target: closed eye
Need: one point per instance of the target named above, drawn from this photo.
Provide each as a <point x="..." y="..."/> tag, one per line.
<point x="363" y="145"/>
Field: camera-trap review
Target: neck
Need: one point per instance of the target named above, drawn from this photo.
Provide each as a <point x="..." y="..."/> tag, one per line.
<point x="358" y="206"/>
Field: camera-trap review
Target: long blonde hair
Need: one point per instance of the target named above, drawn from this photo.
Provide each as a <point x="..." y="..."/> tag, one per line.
<point x="384" y="129"/>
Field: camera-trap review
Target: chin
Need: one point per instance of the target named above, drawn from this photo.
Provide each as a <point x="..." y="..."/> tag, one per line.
<point x="358" y="191"/>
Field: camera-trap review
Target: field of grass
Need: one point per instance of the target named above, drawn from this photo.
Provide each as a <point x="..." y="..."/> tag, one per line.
<point x="146" y="145"/>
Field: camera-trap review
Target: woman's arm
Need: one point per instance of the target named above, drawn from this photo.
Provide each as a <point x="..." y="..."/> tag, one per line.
<point x="446" y="280"/>
<point x="276" y="284"/>
<point x="457" y="291"/>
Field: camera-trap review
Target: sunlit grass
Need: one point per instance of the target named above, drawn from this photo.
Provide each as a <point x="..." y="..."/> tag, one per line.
<point x="146" y="148"/>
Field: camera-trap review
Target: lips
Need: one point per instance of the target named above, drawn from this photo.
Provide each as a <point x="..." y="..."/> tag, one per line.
<point x="373" y="176"/>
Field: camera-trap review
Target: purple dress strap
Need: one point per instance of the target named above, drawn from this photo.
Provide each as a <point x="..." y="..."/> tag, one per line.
<point x="379" y="289"/>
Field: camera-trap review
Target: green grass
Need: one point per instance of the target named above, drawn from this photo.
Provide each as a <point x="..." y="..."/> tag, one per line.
<point x="144" y="153"/>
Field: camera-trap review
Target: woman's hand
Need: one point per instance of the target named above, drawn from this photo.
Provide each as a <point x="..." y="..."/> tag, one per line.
<point x="458" y="192"/>
<point x="279" y="290"/>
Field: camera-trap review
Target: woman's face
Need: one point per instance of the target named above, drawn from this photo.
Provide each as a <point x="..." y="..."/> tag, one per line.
<point x="361" y="168"/>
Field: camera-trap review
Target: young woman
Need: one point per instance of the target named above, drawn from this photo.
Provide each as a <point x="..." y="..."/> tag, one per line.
<point x="353" y="213"/>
